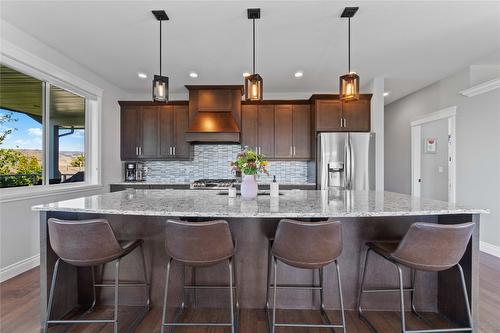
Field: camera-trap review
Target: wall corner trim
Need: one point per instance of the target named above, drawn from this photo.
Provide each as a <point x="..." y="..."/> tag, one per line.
<point x="489" y="248"/>
<point x="19" y="267"/>
<point x="481" y="88"/>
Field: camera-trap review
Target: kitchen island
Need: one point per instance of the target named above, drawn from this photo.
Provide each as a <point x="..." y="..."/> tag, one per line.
<point x="366" y="215"/>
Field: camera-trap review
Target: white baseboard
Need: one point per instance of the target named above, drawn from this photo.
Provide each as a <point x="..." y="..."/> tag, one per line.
<point x="494" y="250"/>
<point x="19" y="267"/>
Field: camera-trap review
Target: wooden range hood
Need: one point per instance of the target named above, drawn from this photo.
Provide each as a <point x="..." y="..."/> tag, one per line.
<point x="214" y="113"/>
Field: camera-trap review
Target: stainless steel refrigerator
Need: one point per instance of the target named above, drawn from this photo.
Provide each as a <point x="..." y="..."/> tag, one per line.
<point x="345" y="161"/>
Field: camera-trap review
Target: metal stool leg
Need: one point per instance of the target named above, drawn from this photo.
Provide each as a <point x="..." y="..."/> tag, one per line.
<point x="117" y="275"/>
<point x="146" y="281"/>
<point x="466" y="297"/>
<point x="165" y="298"/>
<point x="274" y="293"/>
<point x="51" y="294"/>
<point x="231" y="299"/>
<point x="322" y="297"/>
<point x="401" y="298"/>
<point x="268" y="282"/>
<point x="341" y="298"/>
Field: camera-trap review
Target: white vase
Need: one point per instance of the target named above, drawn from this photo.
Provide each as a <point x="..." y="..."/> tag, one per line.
<point x="248" y="187"/>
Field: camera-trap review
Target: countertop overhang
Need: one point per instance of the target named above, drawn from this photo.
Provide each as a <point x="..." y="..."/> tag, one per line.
<point x="291" y="204"/>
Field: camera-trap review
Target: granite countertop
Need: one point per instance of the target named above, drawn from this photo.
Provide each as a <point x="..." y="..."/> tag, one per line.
<point x="292" y="203"/>
<point x="184" y="183"/>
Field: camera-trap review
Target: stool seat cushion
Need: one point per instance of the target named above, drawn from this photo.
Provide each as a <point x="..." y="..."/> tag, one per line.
<point x="308" y="245"/>
<point x="384" y="248"/>
<point x="428" y="246"/>
<point x="87" y="242"/>
<point x="199" y="243"/>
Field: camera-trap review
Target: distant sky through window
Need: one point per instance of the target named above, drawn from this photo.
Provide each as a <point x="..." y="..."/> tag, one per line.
<point x="27" y="134"/>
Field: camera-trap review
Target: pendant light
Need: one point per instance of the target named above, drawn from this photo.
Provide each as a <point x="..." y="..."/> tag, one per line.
<point x="160" y="83"/>
<point x="254" y="85"/>
<point x="349" y="83"/>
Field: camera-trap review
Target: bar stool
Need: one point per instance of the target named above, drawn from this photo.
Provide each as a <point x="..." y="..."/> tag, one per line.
<point x="307" y="245"/>
<point x="200" y="244"/>
<point x="89" y="243"/>
<point x="425" y="247"/>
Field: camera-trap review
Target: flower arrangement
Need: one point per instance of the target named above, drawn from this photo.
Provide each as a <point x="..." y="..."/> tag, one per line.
<point x="248" y="162"/>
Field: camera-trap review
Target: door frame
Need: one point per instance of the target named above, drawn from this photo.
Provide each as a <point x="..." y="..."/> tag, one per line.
<point x="416" y="150"/>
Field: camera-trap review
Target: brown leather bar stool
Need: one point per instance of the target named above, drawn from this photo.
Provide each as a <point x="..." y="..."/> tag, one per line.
<point x="307" y="245"/>
<point x="425" y="247"/>
<point x="90" y="243"/>
<point x="200" y="244"/>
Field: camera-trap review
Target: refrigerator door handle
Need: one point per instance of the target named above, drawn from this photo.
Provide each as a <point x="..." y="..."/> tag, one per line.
<point x="349" y="163"/>
<point x="347" y="159"/>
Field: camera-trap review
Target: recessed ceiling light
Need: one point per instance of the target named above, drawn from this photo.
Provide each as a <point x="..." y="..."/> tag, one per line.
<point x="142" y="75"/>
<point x="246" y="74"/>
<point x="386" y="93"/>
<point x="299" y="74"/>
<point x="194" y="75"/>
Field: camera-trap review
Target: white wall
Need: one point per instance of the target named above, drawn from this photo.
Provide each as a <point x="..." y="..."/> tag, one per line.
<point x="477" y="142"/>
<point x="19" y="232"/>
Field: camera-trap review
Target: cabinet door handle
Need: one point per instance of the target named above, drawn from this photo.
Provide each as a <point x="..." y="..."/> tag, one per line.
<point x="173" y="149"/>
<point x="170" y="150"/>
<point x="140" y="151"/>
<point x="260" y="150"/>
<point x="345" y="122"/>
<point x="341" y="122"/>
<point x="136" y="151"/>
<point x="293" y="150"/>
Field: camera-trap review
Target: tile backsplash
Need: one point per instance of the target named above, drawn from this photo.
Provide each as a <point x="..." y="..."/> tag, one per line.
<point x="212" y="161"/>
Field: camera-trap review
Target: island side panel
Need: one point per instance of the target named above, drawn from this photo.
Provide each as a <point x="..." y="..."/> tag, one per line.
<point x="450" y="298"/>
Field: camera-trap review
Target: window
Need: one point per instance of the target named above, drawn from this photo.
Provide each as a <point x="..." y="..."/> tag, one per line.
<point x="42" y="132"/>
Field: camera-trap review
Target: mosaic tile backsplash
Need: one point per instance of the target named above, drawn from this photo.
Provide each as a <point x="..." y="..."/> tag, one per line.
<point x="212" y="161"/>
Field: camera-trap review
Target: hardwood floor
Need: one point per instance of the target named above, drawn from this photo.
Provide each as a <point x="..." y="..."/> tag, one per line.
<point x="19" y="311"/>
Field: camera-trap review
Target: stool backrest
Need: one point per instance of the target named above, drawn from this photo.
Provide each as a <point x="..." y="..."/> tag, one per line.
<point x="199" y="243"/>
<point x="80" y="242"/>
<point x="309" y="243"/>
<point x="433" y="247"/>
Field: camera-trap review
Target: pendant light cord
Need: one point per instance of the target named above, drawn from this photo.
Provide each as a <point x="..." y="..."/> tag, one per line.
<point x="349" y="45"/>
<point x="160" y="48"/>
<point x="253" y="24"/>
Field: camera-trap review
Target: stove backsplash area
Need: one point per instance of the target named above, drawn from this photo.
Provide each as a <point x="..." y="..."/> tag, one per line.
<point x="212" y="161"/>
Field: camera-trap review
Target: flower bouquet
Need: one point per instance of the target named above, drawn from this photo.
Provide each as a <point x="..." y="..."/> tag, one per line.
<point x="249" y="163"/>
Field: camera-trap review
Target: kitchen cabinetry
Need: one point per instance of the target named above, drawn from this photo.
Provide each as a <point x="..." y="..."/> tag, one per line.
<point x="257" y="128"/>
<point x="173" y="122"/>
<point x="332" y="115"/>
<point x="154" y="132"/>
<point x="292" y="132"/>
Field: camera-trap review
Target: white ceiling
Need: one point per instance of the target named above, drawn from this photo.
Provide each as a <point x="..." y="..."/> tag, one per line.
<point x="410" y="43"/>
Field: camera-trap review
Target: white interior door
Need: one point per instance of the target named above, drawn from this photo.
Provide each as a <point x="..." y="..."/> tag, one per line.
<point x="433" y="162"/>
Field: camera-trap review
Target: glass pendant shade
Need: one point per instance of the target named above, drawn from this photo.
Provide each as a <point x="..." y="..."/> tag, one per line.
<point x="254" y="87"/>
<point x="349" y="87"/>
<point x="160" y="88"/>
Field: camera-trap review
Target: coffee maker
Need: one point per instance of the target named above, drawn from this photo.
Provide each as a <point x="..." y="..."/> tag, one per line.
<point x="134" y="171"/>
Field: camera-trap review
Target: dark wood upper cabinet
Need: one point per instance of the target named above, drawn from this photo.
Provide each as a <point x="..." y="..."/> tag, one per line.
<point x="283" y="131"/>
<point x="301" y="119"/>
<point x="265" y="129"/>
<point x="182" y="148"/>
<point x="332" y="115"/>
<point x="328" y="115"/>
<point x="357" y="116"/>
<point x="292" y="132"/>
<point x="129" y="133"/>
<point x="148" y="123"/>
<point x="166" y="125"/>
<point x="257" y="128"/>
<point x="154" y="131"/>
